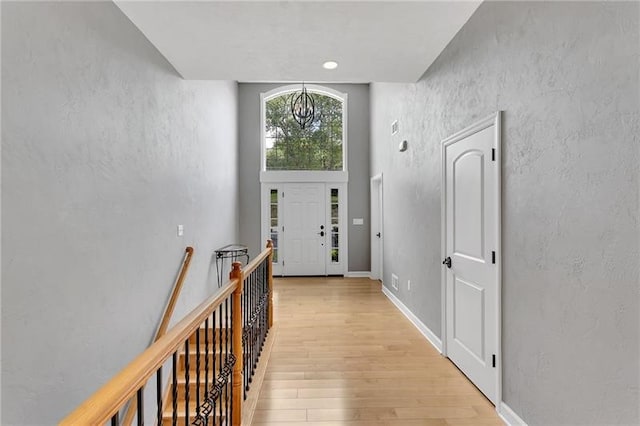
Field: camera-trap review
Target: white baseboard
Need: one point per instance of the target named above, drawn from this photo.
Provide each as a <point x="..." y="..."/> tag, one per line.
<point x="509" y="416"/>
<point x="358" y="274"/>
<point x="422" y="328"/>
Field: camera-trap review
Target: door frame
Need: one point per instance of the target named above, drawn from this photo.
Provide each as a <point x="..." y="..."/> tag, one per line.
<point x="342" y="266"/>
<point x="495" y="120"/>
<point x="377" y="214"/>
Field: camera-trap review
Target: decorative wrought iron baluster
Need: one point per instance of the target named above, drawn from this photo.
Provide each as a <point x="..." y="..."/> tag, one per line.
<point x="230" y="382"/>
<point x="198" y="372"/>
<point x="140" y="398"/>
<point x="159" y="395"/>
<point x="255" y="326"/>
<point x="206" y="365"/>
<point x="186" y="380"/>
<point x="252" y="327"/>
<point x="226" y="352"/>
<point x="174" y="393"/>
<point x="220" y="359"/>
<point x="215" y="348"/>
<point x="245" y="330"/>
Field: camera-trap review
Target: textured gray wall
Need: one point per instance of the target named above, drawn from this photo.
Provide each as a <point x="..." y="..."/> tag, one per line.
<point x="358" y="163"/>
<point x="567" y="77"/>
<point x="105" y="149"/>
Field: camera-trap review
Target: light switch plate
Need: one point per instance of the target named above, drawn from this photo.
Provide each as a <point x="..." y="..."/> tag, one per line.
<point x="180" y="230"/>
<point x="358" y="221"/>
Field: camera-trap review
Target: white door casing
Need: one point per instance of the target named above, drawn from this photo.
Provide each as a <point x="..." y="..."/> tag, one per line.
<point x="471" y="239"/>
<point x="377" y="234"/>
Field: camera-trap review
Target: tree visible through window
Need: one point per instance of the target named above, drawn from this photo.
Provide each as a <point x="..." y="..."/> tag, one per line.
<point x="316" y="147"/>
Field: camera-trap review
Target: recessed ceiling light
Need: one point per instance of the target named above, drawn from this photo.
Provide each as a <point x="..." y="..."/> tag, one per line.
<point x="330" y="65"/>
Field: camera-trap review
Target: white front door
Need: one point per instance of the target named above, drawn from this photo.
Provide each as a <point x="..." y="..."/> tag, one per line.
<point x="304" y="235"/>
<point x="306" y="222"/>
<point x="471" y="226"/>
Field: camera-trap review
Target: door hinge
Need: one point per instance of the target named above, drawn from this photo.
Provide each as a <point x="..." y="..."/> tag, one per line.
<point x="283" y="228"/>
<point x="493" y="361"/>
<point x="493" y="257"/>
<point x="283" y="265"/>
<point x="282" y="194"/>
<point x="493" y="154"/>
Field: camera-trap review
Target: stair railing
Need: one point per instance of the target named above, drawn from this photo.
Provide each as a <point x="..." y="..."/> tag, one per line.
<point x="164" y="322"/>
<point x="214" y="395"/>
<point x="257" y="313"/>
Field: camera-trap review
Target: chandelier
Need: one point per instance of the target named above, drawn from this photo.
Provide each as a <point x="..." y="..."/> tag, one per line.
<point x="302" y="107"/>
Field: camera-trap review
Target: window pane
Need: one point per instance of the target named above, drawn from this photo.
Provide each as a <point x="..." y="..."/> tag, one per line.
<point x="316" y="147"/>
<point x="334" y="240"/>
<point x="274" y="196"/>
<point x="334" y="256"/>
<point x="334" y="210"/>
<point x="334" y="195"/>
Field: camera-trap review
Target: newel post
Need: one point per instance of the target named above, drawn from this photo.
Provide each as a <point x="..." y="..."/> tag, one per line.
<point x="236" y="333"/>
<point x="270" y="281"/>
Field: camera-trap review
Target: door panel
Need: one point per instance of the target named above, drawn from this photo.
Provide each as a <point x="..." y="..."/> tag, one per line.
<point x="468" y="227"/>
<point x="468" y="317"/>
<point x="470" y="237"/>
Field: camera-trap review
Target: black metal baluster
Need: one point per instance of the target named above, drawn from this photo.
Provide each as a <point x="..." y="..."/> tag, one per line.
<point x="140" y="397"/>
<point x="186" y="379"/>
<point x="206" y="365"/>
<point x="159" y="395"/>
<point x="260" y="306"/>
<point x="231" y="377"/>
<point x="255" y="324"/>
<point x="220" y="358"/>
<point x="213" y="368"/>
<point x="115" y="420"/>
<point x="198" y="372"/>
<point x="174" y="391"/>
<point x="226" y="346"/>
<point x="252" y="308"/>
<point x="245" y="327"/>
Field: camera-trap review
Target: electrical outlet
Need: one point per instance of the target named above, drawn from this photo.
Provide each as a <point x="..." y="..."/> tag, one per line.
<point x="409" y="285"/>
<point x="394" y="281"/>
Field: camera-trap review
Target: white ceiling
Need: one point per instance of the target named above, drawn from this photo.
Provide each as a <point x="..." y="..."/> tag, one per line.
<point x="262" y="41"/>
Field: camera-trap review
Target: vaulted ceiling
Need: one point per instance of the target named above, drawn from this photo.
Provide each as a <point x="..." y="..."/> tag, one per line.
<point x="251" y="41"/>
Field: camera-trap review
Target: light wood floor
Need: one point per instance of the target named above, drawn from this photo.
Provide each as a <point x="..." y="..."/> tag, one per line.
<point x="344" y="355"/>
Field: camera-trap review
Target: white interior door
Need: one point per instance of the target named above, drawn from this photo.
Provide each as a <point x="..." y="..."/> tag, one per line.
<point x="305" y="233"/>
<point x="471" y="268"/>
<point x="376" y="228"/>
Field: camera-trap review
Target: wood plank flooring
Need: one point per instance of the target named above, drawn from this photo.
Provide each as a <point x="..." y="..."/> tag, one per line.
<point x="344" y="355"/>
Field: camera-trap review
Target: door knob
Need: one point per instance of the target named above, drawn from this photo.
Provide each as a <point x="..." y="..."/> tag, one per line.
<point x="447" y="262"/>
<point x="378" y="235"/>
<point x="321" y="233"/>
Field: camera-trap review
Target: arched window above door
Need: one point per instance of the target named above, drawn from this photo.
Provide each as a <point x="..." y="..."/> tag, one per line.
<point x="319" y="147"/>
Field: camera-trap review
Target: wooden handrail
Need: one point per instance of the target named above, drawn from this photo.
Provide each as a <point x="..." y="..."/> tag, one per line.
<point x="164" y="323"/>
<point x="104" y="403"/>
<point x="168" y="312"/>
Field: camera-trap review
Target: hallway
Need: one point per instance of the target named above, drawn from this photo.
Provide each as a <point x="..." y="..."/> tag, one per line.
<point x="344" y="355"/>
